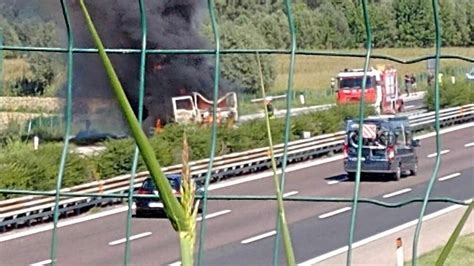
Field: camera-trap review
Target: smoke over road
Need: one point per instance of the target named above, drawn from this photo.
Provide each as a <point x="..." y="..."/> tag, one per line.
<point x="172" y="24"/>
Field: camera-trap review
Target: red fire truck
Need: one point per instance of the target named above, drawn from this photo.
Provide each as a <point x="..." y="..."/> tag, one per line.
<point x="382" y="88"/>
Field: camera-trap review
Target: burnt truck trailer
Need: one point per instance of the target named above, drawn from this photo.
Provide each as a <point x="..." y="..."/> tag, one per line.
<point x="195" y="108"/>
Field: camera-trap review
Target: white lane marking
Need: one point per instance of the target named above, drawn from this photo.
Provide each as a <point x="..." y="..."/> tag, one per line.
<point x="120" y="241"/>
<point x="291" y="193"/>
<point x="212" y="187"/>
<point x="212" y="215"/>
<point x="41" y="263"/>
<point x="435" y="154"/>
<point x="333" y="182"/>
<point x="396" y="193"/>
<point x="329" y="214"/>
<point x="467" y="145"/>
<point x="289" y="169"/>
<point x="178" y="263"/>
<point x="381" y="235"/>
<point x="444" y="178"/>
<point x="259" y="237"/>
<point x="410" y="106"/>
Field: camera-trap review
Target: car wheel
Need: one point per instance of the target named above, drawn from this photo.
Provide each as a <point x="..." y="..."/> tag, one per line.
<point x="139" y="213"/>
<point x="398" y="173"/>
<point x="414" y="171"/>
<point x="351" y="176"/>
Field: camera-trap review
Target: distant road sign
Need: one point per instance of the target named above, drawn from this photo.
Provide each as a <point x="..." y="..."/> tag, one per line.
<point x="430" y="64"/>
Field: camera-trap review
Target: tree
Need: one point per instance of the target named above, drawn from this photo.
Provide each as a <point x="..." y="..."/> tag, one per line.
<point x="274" y="28"/>
<point x="333" y="29"/>
<point x="414" y="22"/>
<point x="450" y="34"/>
<point x="10" y="37"/>
<point x="242" y="69"/>
<point x="384" y="30"/>
<point x="354" y="15"/>
<point x="306" y="24"/>
<point x="469" y="7"/>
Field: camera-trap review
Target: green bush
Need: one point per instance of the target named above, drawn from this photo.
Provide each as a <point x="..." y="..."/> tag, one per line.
<point x="23" y="168"/>
<point x="460" y="93"/>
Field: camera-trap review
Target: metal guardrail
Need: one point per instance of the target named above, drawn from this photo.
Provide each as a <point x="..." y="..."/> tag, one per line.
<point x="316" y="108"/>
<point x="32" y="209"/>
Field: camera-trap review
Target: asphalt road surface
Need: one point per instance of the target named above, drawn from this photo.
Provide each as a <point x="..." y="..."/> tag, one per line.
<point x="241" y="232"/>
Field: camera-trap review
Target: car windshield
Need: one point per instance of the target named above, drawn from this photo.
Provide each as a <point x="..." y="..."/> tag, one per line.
<point x="355" y="82"/>
<point x="174" y="182"/>
<point x="148" y="184"/>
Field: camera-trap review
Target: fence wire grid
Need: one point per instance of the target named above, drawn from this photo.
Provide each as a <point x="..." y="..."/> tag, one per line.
<point x="71" y="50"/>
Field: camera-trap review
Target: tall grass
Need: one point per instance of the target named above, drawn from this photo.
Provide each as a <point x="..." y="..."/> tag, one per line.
<point x="314" y="73"/>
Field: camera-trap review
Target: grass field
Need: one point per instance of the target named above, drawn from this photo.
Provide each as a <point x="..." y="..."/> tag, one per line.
<point x="315" y="72"/>
<point x="15" y="69"/>
<point x="461" y="255"/>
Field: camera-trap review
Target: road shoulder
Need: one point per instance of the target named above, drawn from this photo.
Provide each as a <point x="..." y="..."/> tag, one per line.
<point x="435" y="233"/>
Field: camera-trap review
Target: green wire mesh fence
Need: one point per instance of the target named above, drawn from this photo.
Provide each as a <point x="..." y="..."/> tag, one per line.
<point x="72" y="50"/>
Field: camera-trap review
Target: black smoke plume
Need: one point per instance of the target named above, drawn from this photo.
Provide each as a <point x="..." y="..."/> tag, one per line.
<point x="172" y="24"/>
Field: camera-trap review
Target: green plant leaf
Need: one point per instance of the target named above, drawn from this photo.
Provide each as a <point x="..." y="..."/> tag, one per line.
<point x="454" y="236"/>
<point x="173" y="208"/>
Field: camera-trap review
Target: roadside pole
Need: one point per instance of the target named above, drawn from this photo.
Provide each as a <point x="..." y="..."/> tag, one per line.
<point x="400" y="259"/>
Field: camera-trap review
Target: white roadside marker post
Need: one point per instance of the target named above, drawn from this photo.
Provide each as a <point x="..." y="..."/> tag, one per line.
<point x="35" y="142"/>
<point x="400" y="259"/>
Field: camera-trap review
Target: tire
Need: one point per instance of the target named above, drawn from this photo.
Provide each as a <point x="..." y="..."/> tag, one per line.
<point x="140" y="213"/>
<point x="398" y="174"/>
<point x="414" y="171"/>
<point x="351" y="176"/>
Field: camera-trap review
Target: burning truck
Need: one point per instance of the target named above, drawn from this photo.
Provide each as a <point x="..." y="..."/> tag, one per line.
<point x="177" y="87"/>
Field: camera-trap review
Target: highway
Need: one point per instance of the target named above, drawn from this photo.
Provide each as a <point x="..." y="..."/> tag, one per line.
<point x="412" y="103"/>
<point x="241" y="233"/>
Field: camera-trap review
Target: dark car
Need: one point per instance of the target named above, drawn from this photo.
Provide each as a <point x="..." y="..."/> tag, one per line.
<point x="388" y="147"/>
<point x="151" y="206"/>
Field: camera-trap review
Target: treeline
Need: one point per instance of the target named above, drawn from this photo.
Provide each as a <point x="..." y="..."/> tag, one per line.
<point x="320" y="24"/>
<point x="28" y="73"/>
<point x="333" y="24"/>
<point x="339" y="24"/>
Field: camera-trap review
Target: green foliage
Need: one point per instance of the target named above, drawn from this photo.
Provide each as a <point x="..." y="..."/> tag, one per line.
<point x="242" y="69"/>
<point x="9" y="33"/>
<point x="44" y="69"/>
<point x="23" y="168"/>
<point x="384" y="30"/>
<point x="274" y="29"/>
<point x="414" y="21"/>
<point x="333" y="28"/>
<point x="338" y="24"/>
<point x="460" y="93"/>
<point x="461" y="254"/>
